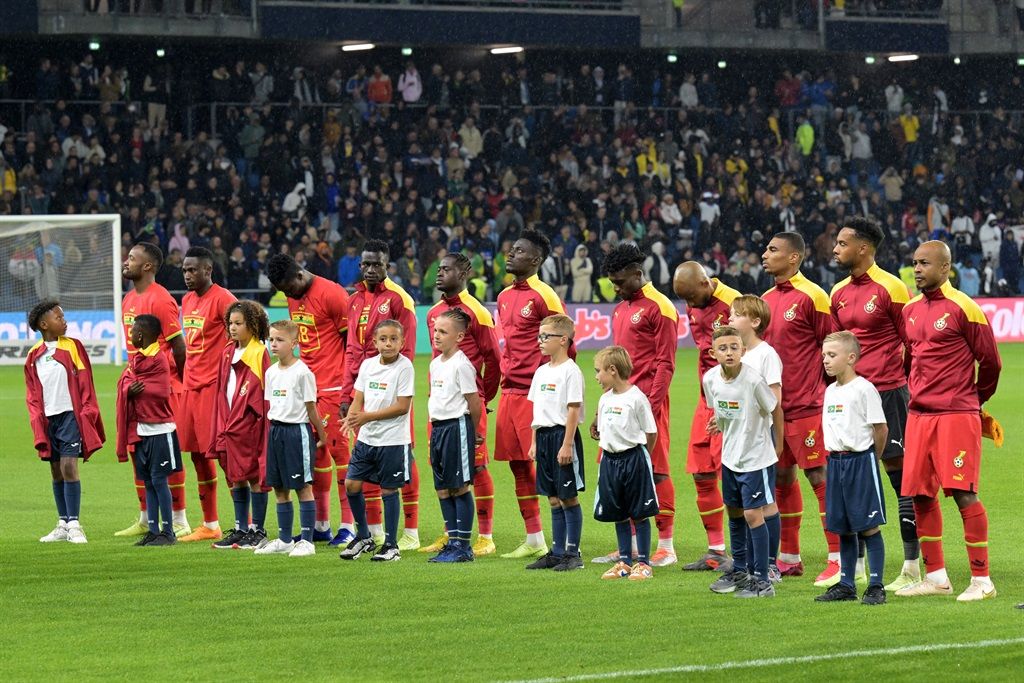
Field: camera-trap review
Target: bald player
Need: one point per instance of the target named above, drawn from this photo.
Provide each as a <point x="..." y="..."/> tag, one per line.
<point x="870" y="304"/>
<point x="801" y="319"/>
<point x="708" y="304"/>
<point x="954" y="370"/>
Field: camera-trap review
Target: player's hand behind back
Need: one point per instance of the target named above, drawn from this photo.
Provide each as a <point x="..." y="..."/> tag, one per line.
<point x="594" y="434"/>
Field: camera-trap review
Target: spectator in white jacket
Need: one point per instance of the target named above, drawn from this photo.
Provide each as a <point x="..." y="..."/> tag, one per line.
<point x="893" y="98"/>
<point x="471" y="138"/>
<point x="410" y="84"/>
<point x="990" y="237"/>
<point x="688" y="92"/>
<point x="670" y="214"/>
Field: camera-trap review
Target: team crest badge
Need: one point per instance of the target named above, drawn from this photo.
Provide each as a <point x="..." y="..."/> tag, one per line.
<point x="870" y="306"/>
<point x="940" y="324"/>
<point x="527" y="310"/>
<point x="717" y="323"/>
<point x="809" y="441"/>
<point x="790" y="313"/>
<point x="958" y="460"/>
<point x="635" y="318"/>
<point x="384" y="307"/>
<point x="244" y="389"/>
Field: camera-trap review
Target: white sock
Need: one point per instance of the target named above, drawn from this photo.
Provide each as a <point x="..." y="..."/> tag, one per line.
<point x="322" y="525"/>
<point x="717" y="548"/>
<point x="414" y="533"/>
<point x="860" y="566"/>
<point x="635" y="551"/>
<point x="982" y="579"/>
<point x="215" y="525"/>
<point x="535" y="540"/>
<point x="351" y="528"/>
<point x="938" y="577"/>
<point x="143" y="518"/>
<point x="487" y="536"/>
<point x="789" y="558"/>
<point x="666" y="544"/>
<point x="178" y="517"/>
<point x="833" y="557"/>
<point x="376" y="530"/>
<point x="911" y="568"/>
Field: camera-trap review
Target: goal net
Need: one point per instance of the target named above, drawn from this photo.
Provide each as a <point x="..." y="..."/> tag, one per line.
<point x="75" y="259"/>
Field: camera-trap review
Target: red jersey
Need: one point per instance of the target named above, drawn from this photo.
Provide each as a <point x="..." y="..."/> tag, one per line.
<point x="704" y="321"/>
<point x="202" y="320"/>
<point x="647" y="326"/>
<point x="521" y="307"/>
<point x="155" y="301"/>
<point x="153" y="405"/>
<point x="322" y="318"/>
<point x="948" y="332"/>
<point x="480" y="343"/>
<point x="801" y="319"/>
<point x="871" y="306"/>
<point x="366" y="309"/>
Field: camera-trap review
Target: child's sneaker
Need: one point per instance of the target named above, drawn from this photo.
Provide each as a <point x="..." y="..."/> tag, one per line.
<point x="756" y="588"/>
<point x="248" y="540"/>
<point x="387" y="553"/>
<point x="570" y="561"/>
<point x="774" y="575"/>
<point x="465" y="552"/>
<point x="162" y="539"/>
<point x="874" y="595"/>
<point x="230" y="540"/>
<point x="840" y="592"/>
<point x="75" y="533"/>
<point x="641" y="571"/>
<point x="356" y="548"/>
<point x="620" y="570"/>
<point x="730" y="582"/>
<point x="303" y="549"/>
<point x="147" y="539"/>
<point x="548" y="561"/>
<point x="59" y="533"/>
<point x="447" y="554"/>
<point x="259" y="539"/>
<point x="276" y="547"/>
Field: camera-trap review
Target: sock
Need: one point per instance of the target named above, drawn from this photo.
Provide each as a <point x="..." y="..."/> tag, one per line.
<point x="712" y="512"/>
<point x="321" y="525"/>
<point x="526" y="494"/>
<point x="259" y="508"/>
<point x="773" y="523"/>
<point x="307" y="518"/>
<point x="240" y="497"/>
<point x="140" y="491"/>
<point x="483" y="492"/>
<point x="929" y="532"/>
<point x="285" y="521"/>
<point x="535" y="539"/>
<point x="73" y="499"/>
<point x="665" y="520"/>
<point x="624" y="536"/>
<point x="357" y="503"/>
<point x="374" y="511"/>
<point x="206" y="476"/>
<point x="908" y="521"/>
<point x="847" y="559"/>
<point x="164" y="500"/>
<point x="346" y="511"/>
<point x="449" y="513"/>
<point x="176" y="482"/>
<point x="557" y="531"/>
<point x="830" y="538"/>
<point x="876" y="558"/>
<point x="322" y="477"/>
<point x="152" y="508"/>
<point x="60" y="500"/>
<point x="643" y="540"/>
<point x="464" y="516"/>
<point x="759" y="542"/>
<point x="738" y="543"/>
<point x="791" y="511"/>
<point x="573" y="529"/>
<point x="411" y="499"/>
<point x="392" y="509"/>
<point x="975" y="536"/>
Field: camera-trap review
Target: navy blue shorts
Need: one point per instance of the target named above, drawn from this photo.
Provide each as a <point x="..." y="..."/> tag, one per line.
<point x="853" y="493"/>
<point x="65" y="437"/>
<point x="386" y="466"/>
<point x="554" y="480"/>
<point x="748" y="490"/>
<point x="625" y="487"/>
<point x="452" y="452"/>
<point x="291" y="450"/>
<point x="894" y="406"/>
<point x="157" y="456"/>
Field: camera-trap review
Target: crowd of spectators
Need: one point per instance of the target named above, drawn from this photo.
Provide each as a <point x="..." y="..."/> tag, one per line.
<point x="314" y="162"/>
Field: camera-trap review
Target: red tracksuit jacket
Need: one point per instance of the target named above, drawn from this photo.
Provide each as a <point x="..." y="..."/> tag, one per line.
<point x="240" y="431"/>
<point x="153" y="405"/>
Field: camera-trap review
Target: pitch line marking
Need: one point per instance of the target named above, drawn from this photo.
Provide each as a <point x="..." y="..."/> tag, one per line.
<point x="778" y="661"/>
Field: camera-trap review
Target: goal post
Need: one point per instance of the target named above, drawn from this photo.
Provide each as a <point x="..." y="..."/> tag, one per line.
<point x="74" y="258"/>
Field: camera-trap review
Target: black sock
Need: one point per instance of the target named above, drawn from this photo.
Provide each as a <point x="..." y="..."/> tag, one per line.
<point x="392" y="511"/>
<point x="908" y="520"/>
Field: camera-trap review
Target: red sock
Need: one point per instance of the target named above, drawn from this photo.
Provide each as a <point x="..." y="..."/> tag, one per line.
<point x="526" y="494"/>
<point x="346" y="511"/>
<point x="341" y="457"/>
<point x="929" y="532"/>
<point x="140" y="491"/>
<point x="976" y="537"/>
<point x="374" y="507"/>
<point x="791" y="511"/>
<point x="665" y="520"/>
<point x="483" y="492"/>
<point x="711" y="509"/>
<point x="177" y="484"/>
<point x="830" y="538"/>
<point x="411" y="499"/>
<point x="206" y="474"/>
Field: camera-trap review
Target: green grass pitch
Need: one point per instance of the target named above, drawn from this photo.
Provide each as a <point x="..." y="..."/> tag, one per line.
<point x="108" y="610"/>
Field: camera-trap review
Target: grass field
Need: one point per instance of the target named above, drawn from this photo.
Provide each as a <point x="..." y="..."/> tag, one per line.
<point x="108" y="610"/>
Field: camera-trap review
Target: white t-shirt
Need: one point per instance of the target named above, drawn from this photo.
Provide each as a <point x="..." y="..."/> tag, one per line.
<point x="288" y="390"/>
<point x="54" y="379"/>
<point x="849" y="413"/>
<point x="766" y="361"/>
<point x="624" y="420"/>
<point x="552" y="390"/>
<point x="743" y="408"/>
<point x="381" y="386"/>
<point x="232" y="378"/>
<point x="450" y="381"/>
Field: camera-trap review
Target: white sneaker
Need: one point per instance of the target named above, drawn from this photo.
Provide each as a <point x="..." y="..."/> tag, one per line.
<point x="75" y="534"/>
<point x="303" y="549"/>
<point x="59" y="533"/>
<point x="978" y="589"/>
<point x="275" y="547"/>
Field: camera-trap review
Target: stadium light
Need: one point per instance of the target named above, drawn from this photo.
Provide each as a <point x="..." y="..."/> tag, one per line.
<point x="509" y="50"/>
<point x="407" y="52"/>
<point x="869" y="60"/>
<point x="722" y="64"/>
<point x="1020" y="61"/>
<point x="94" y="45"/>
<point x="160" y="52"/>
<point x="956" y="60"/>
<point x="672" y="58"/>
<point x="357" y="47"/>
<point x="903" y="58"/>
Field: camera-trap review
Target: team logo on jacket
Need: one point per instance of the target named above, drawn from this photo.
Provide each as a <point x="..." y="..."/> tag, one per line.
<point x="940" y="324"/>
<point x="958" y="459"/>
<point x="527" y="310"/>
<point x="245" y="389"/>
<point x="790" y="313"/>
<point x="384" y="307"/>
<point x="635" y="318"/>
<point x="870" y="306"/>
<point x="717" y="323"/>
<point x="809" y="441"/>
